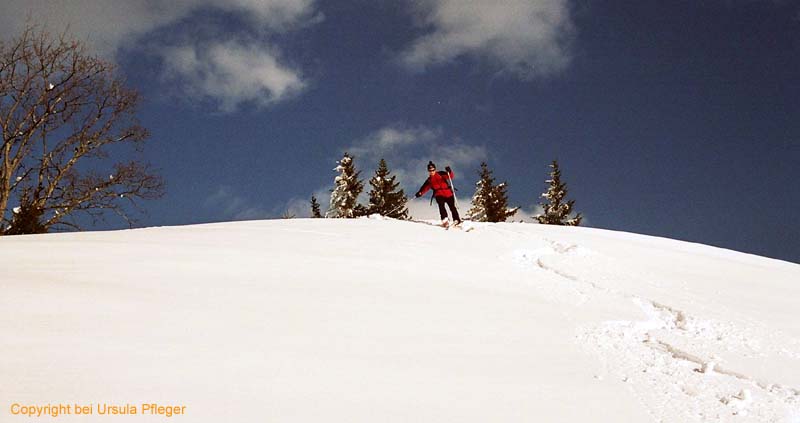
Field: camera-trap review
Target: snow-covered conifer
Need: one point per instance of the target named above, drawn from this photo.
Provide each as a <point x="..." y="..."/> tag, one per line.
<point x="384" y="197"/>
<point x="490" y="202"/>
<point x="556" y="211"/>
<point x="347" y="188"/>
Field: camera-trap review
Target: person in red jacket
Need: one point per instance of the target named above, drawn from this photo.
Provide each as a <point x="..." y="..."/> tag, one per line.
<point x="439" y="182"/>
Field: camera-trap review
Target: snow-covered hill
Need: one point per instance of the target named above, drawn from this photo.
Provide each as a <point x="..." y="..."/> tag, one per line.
<point x="320" y="320"/>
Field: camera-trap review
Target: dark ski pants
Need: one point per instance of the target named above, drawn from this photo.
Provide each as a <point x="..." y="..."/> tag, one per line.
<point x="451" y="202"/>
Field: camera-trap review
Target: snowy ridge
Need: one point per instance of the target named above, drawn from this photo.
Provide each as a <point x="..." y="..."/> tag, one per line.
<point x="380" y="320"/>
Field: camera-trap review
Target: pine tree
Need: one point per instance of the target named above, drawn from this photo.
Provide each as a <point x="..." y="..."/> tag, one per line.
<point x="483" y="190"/>
<point x="384" y="199"/>
<point x="490" y="202"/>
<point x="344" y="196"/>
<point x="556" y="211"/>
<point x="315" y="211"/>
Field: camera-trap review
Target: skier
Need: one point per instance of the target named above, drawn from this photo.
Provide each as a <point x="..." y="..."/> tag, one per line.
<point x="442" y="192"/>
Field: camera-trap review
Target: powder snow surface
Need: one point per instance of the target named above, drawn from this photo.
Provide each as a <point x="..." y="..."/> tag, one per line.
<point x="372" y="320"/>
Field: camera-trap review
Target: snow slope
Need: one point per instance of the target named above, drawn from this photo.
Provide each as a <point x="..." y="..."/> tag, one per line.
<point x="370" y="320"/>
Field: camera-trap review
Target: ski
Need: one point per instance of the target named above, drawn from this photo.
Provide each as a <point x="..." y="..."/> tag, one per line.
<point x="459" y="226"/>
<point x="424" y="222"/>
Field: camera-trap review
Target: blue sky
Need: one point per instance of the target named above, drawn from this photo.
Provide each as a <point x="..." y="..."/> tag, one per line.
<point x="677" y="119"/>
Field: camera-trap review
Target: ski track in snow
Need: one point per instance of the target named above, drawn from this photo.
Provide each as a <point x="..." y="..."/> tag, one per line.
<point x="670" y="348"/>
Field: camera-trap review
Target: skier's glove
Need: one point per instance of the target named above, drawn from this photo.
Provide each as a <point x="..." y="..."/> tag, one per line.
<point x="447" y="168"/>
<point x="417" y="195"/>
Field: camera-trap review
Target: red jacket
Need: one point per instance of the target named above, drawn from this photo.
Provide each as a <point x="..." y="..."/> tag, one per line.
<point x="439" y="183"/>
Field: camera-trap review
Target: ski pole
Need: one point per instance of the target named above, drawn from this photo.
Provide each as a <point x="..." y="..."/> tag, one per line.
<point x="453" y="187"/>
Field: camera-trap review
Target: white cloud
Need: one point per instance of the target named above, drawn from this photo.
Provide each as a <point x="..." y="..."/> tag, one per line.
<point x="526" y="37"/>
<point x="277" y="15"/>
<point x="229" y="72"/>
<point x="459" y="153"/>
<point x="108" y="24"/>
<point x="104" y="24"/>
<point x="233" y="206"/>
<point x="232" y="73"/>
<point x="407" y="151"/>
<point x="300" y="207"/>
<point x="393" y="139"/>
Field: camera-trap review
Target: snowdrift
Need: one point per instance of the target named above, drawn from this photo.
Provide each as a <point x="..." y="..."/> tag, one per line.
<point x="370" y="320"/>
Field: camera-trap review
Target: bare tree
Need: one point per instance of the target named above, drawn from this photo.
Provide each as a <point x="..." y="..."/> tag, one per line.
<point x="63" y="113"/>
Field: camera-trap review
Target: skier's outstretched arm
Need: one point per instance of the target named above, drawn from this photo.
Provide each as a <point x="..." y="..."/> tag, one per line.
<point x="424" y="188"/>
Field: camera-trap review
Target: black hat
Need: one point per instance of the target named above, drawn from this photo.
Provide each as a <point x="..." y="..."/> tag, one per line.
<point x="431" y="165"/>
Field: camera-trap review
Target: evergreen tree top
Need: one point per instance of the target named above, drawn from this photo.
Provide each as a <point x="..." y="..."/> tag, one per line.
<point x="490" y="201"/>
<point x="347" y="187"/>
<point x="384" y="197"/>
<point x="556" y="210"/>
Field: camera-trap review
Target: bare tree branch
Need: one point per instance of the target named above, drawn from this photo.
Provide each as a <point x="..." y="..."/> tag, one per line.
<point x="61" y="110"/>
